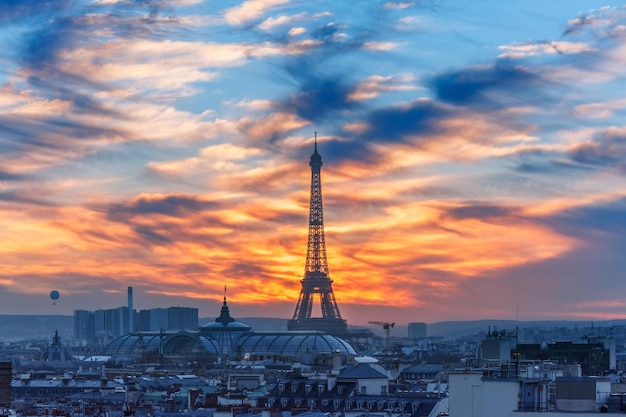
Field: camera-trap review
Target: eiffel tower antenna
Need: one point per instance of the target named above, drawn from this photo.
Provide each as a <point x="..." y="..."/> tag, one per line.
<point x="317" y="282"/>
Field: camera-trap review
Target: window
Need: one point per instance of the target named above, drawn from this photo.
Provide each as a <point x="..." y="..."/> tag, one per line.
<point x="363" y="390"/>
<point x="383" y="390"/>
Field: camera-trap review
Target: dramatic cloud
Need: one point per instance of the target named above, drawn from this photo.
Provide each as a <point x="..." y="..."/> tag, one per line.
<point x="467" y="151"/>
<point x="488" y="85"/>
<point x="608" y="148"/>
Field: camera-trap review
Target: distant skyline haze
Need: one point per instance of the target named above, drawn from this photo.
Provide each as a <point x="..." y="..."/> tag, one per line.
<point x="474" y="156"/>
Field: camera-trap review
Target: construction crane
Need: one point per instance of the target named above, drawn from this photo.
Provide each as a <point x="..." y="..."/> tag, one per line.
<point x="387" y="326"/>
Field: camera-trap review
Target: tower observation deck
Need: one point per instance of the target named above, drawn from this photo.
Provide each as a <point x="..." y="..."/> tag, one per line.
<point x="316" y="280"/>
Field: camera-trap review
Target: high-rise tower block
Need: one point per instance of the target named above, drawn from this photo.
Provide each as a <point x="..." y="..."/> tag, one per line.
<point x="317" y="280"/>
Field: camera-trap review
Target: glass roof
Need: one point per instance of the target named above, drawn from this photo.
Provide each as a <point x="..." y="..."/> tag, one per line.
<point x="293" y="343"/>
<point x="130" y="344"/>
<point x="136" y="343"/>
<point x="290" y="343"/>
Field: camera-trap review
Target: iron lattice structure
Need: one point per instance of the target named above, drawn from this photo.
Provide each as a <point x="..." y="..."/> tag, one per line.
<point x="316" y="277"/>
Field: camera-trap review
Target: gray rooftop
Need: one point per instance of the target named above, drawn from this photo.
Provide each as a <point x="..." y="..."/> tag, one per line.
<point x="360" y="371"/>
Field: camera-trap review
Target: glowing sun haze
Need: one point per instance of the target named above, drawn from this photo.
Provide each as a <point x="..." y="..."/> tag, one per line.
<point x="474" y="155"/>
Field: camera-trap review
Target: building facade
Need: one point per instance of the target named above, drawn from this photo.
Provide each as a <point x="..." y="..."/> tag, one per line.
<point x="417" y="330"/>
<point x="5" y="384"/>
<point x="105" y="325"/>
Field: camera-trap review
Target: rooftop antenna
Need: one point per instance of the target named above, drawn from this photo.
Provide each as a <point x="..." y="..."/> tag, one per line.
<point x="315" y="141"/>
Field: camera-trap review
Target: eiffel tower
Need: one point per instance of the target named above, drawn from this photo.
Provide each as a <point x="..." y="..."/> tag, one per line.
<point x="316" y="278"/>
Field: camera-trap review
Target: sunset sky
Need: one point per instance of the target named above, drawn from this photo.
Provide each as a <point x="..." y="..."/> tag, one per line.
<point x="474" y="156"/>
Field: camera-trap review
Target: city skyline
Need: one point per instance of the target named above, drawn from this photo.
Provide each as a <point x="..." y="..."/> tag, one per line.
<point x="474" y="156"/>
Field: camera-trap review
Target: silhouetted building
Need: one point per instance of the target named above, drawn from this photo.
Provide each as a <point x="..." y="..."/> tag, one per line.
<point x="596" y="356"/>
<point x="182" y="318"/>
<point x="153" y="320"/>
<point x="499" y="345"/>
<point x="100" y="324"/>
<point x="228" y="338"/>
<point x="226" y="331"/>
<point x="111" y="323"/>
<point x="317" y="280"/>
<point x="84" y="325"/>
<point x="56" y="351"/>
<point x="417" y="330"/>
<point x="593" y="357"/>
<point x="172" y="318"/>
<point x="5" y="384"/>
<point x="108" y="324"/>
